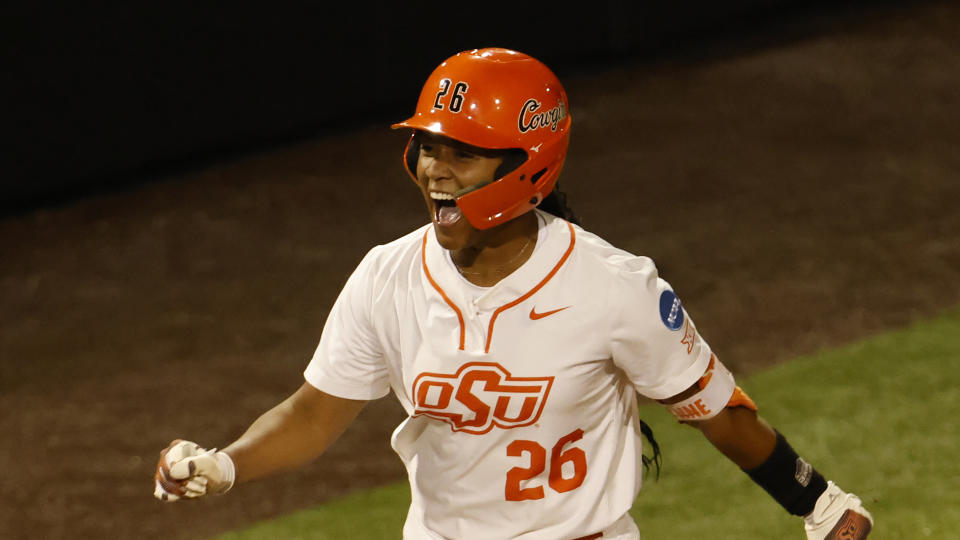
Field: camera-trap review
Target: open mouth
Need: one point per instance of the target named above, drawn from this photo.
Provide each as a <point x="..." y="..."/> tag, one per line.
<point x="445" y="208"/>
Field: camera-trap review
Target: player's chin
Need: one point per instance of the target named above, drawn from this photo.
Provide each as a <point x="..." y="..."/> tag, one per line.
<point x="453" y="237"/>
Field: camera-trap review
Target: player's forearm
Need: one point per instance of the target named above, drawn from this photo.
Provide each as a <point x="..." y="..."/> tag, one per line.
<point x="291" y="434"/>
<point x="741" y="435"/>
<point x="276" y="441"/>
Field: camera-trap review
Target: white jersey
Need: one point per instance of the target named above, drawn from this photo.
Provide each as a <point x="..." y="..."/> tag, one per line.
<point x="521" y="397"/>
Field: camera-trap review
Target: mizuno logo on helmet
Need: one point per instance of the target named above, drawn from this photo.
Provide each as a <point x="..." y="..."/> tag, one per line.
<point x="531" y="119"/>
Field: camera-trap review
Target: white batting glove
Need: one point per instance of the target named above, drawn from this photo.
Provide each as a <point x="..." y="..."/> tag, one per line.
<point x="837" y="515"/>
<point x="187" y="470"/>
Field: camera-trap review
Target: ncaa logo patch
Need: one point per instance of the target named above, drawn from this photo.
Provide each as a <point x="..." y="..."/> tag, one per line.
<point x="671" y="312"/>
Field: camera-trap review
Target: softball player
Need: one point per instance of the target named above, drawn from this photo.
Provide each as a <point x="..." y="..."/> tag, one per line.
<point x="515" y="340"/>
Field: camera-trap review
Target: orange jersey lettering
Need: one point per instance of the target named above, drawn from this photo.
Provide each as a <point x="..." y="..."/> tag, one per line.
<point x="481" y="396"/>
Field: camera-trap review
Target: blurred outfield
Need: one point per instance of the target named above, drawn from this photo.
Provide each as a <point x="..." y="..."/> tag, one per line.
<point x="880" y="417"/>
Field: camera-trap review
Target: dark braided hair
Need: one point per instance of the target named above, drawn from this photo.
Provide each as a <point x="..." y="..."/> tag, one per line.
<point x="656" y="459"/>
<point x="556" y="203"/>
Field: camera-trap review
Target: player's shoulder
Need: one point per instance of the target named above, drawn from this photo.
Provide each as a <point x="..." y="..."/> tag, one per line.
<point x="596" y="251"/>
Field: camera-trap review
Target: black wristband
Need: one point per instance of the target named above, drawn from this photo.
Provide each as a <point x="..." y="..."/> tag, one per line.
<point x="790" y="480"/>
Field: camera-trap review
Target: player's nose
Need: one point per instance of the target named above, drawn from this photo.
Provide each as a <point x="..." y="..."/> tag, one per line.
<point x="437" y="168"/>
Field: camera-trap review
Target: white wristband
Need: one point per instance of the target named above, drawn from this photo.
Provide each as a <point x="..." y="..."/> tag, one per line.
<point x="229" y="470"/>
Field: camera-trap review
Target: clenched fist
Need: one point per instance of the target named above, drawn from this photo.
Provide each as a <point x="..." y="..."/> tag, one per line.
<point x="187" y="470"/>
<point x="838" y="515"/>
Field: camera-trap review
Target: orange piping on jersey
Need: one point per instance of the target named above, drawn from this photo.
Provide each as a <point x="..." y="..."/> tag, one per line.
<point x="593" y="536"/>
<point x="741" y="399"/>
<point x="702" y="383"/>
<point x="423" y="257"/>
<point x="493" y="318"/>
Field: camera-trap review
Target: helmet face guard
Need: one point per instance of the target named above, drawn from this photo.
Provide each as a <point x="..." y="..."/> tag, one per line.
<point x="501" y="100"/>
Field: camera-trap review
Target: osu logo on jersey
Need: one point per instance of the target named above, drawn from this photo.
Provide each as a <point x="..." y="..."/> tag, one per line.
<point x="479" y="396"/>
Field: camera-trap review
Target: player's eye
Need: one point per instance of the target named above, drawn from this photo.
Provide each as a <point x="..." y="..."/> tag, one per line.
<point x="427" y="149"/>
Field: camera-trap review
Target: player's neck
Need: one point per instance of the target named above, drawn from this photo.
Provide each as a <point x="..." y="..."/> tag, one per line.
<point x="499" y="252"/>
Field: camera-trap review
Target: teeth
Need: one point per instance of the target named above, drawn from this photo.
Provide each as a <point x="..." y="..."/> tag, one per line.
<point x="440" y="196"/>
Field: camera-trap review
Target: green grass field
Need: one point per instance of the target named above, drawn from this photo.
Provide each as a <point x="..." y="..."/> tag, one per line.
<point x="879" y="417"/>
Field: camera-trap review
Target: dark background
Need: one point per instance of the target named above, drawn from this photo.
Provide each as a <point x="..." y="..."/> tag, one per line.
<point x="112" y="93"/>
<point x="188" y="189"/>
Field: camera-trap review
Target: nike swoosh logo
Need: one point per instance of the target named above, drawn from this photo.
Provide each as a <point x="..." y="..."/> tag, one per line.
<point x="535" y="316"/>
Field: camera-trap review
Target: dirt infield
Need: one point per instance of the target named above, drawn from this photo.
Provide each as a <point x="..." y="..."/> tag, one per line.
<point x="797" y="196"/>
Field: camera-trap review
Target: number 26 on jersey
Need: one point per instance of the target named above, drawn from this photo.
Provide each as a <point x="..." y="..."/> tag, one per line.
<point x="559" y="458"/>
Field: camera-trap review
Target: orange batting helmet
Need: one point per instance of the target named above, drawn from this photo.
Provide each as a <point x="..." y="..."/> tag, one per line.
<point x="497" y="99"/>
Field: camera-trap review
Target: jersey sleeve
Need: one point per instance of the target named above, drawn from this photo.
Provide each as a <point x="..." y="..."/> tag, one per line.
<point x="654" y="341"/>
<point x="349" y="360"/>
